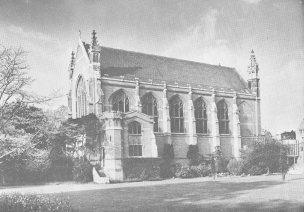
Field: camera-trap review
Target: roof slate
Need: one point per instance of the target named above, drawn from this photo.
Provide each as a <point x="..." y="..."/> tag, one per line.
<point x="116" y="62"/>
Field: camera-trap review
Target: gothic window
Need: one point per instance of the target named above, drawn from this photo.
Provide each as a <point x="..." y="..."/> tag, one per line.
<point x="222" y="115"/>
<point x="135" y="146"/>
<point x="120" y="102"/>
<point x="81" y="101"/>
<point x="246" y="117"/>
<point x="149" y="107"/>
<point x="200" y="113"/>
<point x="176" y="115"/>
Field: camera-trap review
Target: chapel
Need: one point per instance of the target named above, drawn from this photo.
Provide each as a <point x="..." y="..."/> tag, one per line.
<point x="147" y="101"/>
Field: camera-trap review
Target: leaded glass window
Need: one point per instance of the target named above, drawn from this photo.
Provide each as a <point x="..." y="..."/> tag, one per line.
<point x="120" y="102"/>
<point x="223" y="118"/>
<point x="200" y="113"/>
<point x="135" y="145"/>
<point x="149" y="107"/>
<point x="176" y="115"/>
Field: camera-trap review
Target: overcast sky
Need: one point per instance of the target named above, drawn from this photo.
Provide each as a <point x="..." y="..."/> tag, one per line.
<point x="216" y="32"/>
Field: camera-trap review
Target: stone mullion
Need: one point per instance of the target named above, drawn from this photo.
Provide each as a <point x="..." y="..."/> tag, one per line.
<point x="236" y="129"/>
<point x="166" y="116"/>
<point x="191" y="120"/>
<point x="214" y="124"/>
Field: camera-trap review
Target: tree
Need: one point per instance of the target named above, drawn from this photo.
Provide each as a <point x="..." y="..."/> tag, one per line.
<point x="265" y="157"/>
<point x="22" y="127"/>
<point x="14" y="86"/>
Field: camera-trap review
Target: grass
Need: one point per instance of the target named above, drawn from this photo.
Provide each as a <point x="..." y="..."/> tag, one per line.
<point x="264" y="193"/>
<point x="256" y="193"/>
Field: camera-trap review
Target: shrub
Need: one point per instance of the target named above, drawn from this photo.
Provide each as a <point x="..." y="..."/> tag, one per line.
<point x="178" y="169"/>
<point x="168" y="153"/>
<point x="193" y="155"/>
<point x="195" y="171"/>
<point x="221" y="165"/>
<point x="82" y="171"/>
<point x="262" y="157"/>
<point x="33" y="203"/>
<point x="139" y="169"/>
<point x="205" y="170"/>
<point x="152" y="173"/>
<point x="236" y="167"/>
<point x="256" y="170"/>
<point x="186" y="172"/>
<point x="167" y="170"/>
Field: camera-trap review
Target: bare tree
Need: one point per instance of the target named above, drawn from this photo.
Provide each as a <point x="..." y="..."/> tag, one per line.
<point x="14" y="86"/>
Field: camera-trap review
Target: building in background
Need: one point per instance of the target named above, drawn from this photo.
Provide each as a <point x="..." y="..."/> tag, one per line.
<point x="147" y="101"/>
<point x="289" y="139"/>
<point x="300" y="138"/>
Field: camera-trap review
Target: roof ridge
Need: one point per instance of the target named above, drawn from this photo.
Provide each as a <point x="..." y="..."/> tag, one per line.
<point x="170" y="58"/>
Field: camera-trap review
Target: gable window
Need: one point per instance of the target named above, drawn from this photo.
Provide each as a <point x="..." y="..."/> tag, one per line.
<point x="120" y="102"/>
<point x="149" y="107"/>
<point x="200" y="113"/>
<point x="176" y="115"/>
<point x="222" y="115"/>
<point x="135" y="146"/>
<point x="81" y="101"/>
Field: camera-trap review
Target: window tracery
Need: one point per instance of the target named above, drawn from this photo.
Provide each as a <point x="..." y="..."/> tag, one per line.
<point x="149" y="107"/>
<point x="120" y="102"/>
<point x="176" y="115"/>
<point x="200" y="113"/>
<point x="81" y="99"/>
<point x="223" y="118"/>
<point x="135" y="145"/>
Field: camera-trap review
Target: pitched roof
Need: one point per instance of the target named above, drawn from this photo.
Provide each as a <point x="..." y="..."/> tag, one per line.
<point x="116" y="62"/>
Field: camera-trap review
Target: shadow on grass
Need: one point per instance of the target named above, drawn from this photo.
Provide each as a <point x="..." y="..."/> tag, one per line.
<point x="198" y="196"/>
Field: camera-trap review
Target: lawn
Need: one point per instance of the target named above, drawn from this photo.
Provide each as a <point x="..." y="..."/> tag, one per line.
<point x="263" y="193"/>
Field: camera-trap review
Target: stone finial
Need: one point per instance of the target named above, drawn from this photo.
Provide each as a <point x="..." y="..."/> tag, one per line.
<point x="72" y="64"/>
<point x="72" y="57"/>
<point x="94" y="38"/>
<point x="253" y="67"/>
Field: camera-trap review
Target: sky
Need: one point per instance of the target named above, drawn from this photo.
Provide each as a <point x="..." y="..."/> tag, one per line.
<point x="211" y="31"/>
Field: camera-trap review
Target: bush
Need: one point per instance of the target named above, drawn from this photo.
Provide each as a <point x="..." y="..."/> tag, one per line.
<point x="256" y="170"/>
<point x="168" y="153"/>
<point x="139" y="169"/>
<point x="186" y="172"/>
<point x="33" y="203"/>
<point x="82" y="171"/>
<point x="178" y="169"/>
<point x="236" y="167"/>
<point x="167" y="170"/>
<point x="195" y="171"/>
<point x="152" y="173"/>
<point x="265" y="157"/>
<point x="221" y="165"/>
<point x="193" y="155"/>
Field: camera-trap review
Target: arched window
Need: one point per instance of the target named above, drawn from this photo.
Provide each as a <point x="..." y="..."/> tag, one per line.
<point x="176" y="115"/>
<point x="81" y="101"/>
<point x="149" y="107"/>
<point x="222" y="115"/>
<point x="200" y="113"/>
<point x="120" y="102"/>
<point x="135" y="146"/>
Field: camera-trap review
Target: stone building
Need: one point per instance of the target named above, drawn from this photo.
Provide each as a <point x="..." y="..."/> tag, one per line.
<point x="300" y="139"/>
<point x="148" y="101"/>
